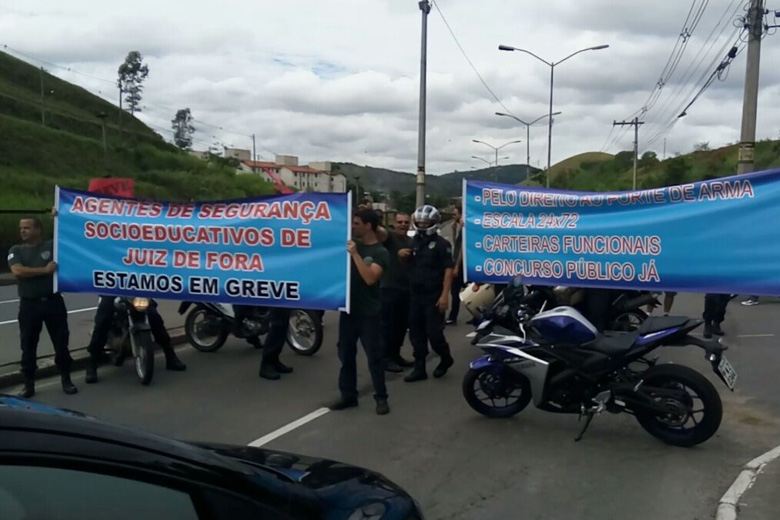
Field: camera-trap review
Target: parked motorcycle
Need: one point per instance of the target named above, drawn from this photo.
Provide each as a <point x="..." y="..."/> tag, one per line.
<point x="557" y="359"/>
<point x="624" y="312"/>
<point x="208" y="326"/>
<point x="131" y="335"/>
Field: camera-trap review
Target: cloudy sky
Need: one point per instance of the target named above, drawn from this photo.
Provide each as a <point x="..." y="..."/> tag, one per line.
<point x="339" y="79"/>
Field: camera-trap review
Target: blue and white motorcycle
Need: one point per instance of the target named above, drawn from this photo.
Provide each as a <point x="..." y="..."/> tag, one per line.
<point x="557" y="359"/>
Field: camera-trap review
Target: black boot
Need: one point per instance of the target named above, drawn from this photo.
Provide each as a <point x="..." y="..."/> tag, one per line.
<point x="281" y="367"/>
<point x="29" y="388"/>
<point x="67" y="385"/>
<point x="444" y="365"/>
<point x="382" y="408"/>
<point x="418" y="374"/>
<point x="267" y="371"/>
<point x="717" y="330"/>
<point x="91" y="376"/>
<point x="172" y="362"/>
<point x="707" y="329"/>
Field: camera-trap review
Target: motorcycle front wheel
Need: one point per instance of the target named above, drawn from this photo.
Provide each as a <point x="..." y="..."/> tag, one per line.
<point x="205" y="331"/>
<point x="144" y="356"/>
<point x="694" y="409"/>
<point x="496" y="394"/>
<point x="305" y="332"/>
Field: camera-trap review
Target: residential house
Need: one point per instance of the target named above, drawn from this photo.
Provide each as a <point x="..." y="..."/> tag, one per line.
<point x="285" y="171"/>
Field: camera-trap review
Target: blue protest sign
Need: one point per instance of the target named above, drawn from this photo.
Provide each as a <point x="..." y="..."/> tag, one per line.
<point x="286" y="250"/>
<point x="718" y="236"/>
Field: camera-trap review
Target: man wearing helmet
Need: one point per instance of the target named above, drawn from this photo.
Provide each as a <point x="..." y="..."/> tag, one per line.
<point x="430" y="257"/>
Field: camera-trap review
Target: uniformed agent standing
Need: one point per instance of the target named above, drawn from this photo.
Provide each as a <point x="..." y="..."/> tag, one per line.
<point x="368" y="261"/>
<point x="395" y="294"/>
<point x="33" y="264"/>
<point x="431" y="260"/>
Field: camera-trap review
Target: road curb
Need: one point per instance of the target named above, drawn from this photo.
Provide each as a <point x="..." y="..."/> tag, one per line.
<point x="11" y="376"/>
<point x="7" y="280"/>
<point x="727" y="507"/>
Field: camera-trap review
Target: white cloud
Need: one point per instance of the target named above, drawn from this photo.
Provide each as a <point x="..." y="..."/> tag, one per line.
<point x="338" y="79"/>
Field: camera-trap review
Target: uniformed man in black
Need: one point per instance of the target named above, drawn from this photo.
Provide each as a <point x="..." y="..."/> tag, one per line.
<point x="33" y="264"/>
<point x="431" y="279"/>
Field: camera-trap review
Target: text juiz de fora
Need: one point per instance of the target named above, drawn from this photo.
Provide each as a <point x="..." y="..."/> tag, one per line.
<point x="708" y="191"/>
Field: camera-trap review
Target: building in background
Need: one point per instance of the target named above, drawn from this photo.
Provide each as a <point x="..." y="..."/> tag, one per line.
<point x="285" y="171"/>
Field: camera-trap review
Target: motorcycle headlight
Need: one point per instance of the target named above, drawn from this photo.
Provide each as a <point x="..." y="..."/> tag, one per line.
<point x="141" y="304"/>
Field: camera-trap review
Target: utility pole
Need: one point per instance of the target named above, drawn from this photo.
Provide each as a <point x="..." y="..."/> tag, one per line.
<point x="43" y="102"/>
<point x="664" y="149"/>
<point x="747" y="142"/>
<point x="102" y="116"/>
<point x="254" y="153"/>
<point x="635" y="123"/>
<point x="425" y="7"/>
<point x="119" y="86"/>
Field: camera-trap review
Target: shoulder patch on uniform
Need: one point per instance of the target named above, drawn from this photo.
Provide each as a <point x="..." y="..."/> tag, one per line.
<point x="10" y="257"/>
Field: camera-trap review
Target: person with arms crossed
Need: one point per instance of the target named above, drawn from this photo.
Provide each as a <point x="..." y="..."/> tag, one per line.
<point x="368" y="261"/>
<point x="32" y="262"/>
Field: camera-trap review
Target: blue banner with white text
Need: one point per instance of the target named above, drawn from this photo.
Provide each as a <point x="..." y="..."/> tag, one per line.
<point x="282" y="251"/>
<point x="719" y="236"/>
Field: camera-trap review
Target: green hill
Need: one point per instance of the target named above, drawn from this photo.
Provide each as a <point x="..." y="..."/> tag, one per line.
<point x="68" y="150"/>
<point x="444" y="186"/>
<point x="616" y="172"/>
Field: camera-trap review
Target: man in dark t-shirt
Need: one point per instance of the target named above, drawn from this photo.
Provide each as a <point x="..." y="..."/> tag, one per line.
<point x="395" y="294"/>
<point x="33" y="264"/>
<point x="368" y="261"/>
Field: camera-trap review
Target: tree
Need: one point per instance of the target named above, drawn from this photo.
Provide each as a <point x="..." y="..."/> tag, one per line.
<point x="703" y="146"/>
<point x="624" y="160"/>
<point x="183" y="129"/>
<point x="649" y="158"/>
<point x="132" y="74"/>
<point x="675" y="171"/>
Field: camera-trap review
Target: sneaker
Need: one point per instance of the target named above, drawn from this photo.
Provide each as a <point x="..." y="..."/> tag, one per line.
<point x="343" y="404"/>
<point x="418" y="374"/>
<point x="393" y="367"/>
<point x="382" y="408"/>
<point x="750" y="302"/>
<point x="444" y="365"/>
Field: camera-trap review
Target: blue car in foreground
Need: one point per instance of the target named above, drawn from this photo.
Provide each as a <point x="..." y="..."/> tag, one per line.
<point x="57" y="463"/>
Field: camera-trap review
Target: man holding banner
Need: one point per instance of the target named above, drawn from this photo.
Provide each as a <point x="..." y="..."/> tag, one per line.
<point x="369" y="260"/>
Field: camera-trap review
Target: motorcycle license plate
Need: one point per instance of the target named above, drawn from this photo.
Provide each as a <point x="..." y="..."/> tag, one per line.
<point x="727" y="371"/>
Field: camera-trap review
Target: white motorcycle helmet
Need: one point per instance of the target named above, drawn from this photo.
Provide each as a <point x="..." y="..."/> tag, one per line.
<point x="426" y="220"/>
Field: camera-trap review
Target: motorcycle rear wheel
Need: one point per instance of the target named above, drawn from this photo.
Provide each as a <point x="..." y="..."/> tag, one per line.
<point x="193" y="329"/>
<point x="671" y="427"/>
<point x="144" y="359"/>
<point x="490" y="384"/>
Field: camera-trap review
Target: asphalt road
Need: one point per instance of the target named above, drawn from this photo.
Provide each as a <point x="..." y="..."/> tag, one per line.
<point x="81" y="309"/>
<point x="458" y="464"/>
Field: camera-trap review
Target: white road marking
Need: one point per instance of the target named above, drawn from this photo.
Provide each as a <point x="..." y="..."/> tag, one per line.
<point x="9" y="301"/>
<point x="727" y="507"/>
<point x="756" y="336"/>
<point x="265" y="439"/>
<point x="75" y="311"/>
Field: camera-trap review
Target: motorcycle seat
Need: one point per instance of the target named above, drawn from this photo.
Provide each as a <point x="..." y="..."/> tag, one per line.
<point x="613" y="344"/>
<point x="658" y="324"/>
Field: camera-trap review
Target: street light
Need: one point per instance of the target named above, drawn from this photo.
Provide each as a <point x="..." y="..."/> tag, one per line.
<point x="552" y="77"/>
<point x="483" y="160"/>
<point x="527" y="131"/>
<point x="496" y="150"/>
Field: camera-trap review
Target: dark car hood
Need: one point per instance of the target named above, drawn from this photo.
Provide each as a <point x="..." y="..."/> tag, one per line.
<point x="340" y="485"/>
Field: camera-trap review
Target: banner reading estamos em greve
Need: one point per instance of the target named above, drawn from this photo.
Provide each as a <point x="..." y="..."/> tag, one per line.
<point x="286" y="250"/>
<point x="720" y="236"/>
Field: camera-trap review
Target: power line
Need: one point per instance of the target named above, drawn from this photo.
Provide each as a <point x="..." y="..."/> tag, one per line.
<point x="462" y="50"/>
